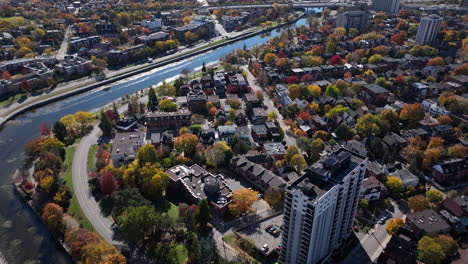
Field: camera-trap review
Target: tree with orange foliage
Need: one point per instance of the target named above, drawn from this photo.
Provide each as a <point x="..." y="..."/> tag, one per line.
<point x="461" y="70"/>
<point x="304" y="115"/>
<point x="397" y="39"/>
<point x="412" y="113"/>
<point x="435" y="142"/>
<point x="444" y="120"/>
<point x="213" y="111"/>
<point x="430" y="156"/>
<point x="6" y="75"/>
<point x="53" y="217"/>
<point x="393" y="225"/>
<point x="457" y="151"/>
<point x="410" y="152"/>
<point x="437" y="61"/>
<point x="293" y="91"/>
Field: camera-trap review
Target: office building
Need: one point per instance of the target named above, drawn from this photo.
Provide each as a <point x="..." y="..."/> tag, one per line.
<point x="390" y="7"/>
<point x="352" y="19"/>
<point x="320" y="207"/>
<point x="429" y="26"/>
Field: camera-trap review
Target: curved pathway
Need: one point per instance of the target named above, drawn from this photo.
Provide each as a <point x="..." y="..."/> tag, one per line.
<point x="102" y="224"/>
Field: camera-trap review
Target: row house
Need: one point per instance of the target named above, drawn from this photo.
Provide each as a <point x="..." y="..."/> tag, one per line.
<point x="159" y="120"/>
<point x="257" y="175"/>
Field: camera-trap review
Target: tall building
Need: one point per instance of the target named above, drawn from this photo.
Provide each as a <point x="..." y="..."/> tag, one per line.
<point x="352" y="19"/>
<point x="429" y="26"/>
<point x="320" y="207"/>
<point x="391" y="7"/>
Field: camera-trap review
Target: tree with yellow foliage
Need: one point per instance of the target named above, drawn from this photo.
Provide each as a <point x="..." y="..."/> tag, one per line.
<point x="242" y="200"/>
<point x="393" y="225"/>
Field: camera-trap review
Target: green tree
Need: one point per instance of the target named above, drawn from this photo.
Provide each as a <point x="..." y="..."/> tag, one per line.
<point x="147" y="154"/>
<point x="138" y="223"/>
<point x="332" y="90"/>
<point x="434" y="196"/>
<point x="417" y="203"/>
<point x="429" y="251"/>
<point x="105" y="125"/>
<point x="367" y="124"/>
<point x="125" y="198"/>
<point x="60" y="131"/>
<point x="219" y="154"/>
<point x="152" y="99"/>
<point x="298" y="162"/>
<point x="167" y="105"/>
<point x="448" y="244"/>
<point x="363" y="204"/>
<point x="203" y="214"/>
<point x="343" y="131"/>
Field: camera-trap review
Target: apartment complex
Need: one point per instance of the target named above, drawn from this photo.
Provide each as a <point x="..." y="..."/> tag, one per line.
<point x="388" y="6"/>
<point x="429" y="27"/>
<point x="352" y="19"/>
<point x="320" y="207"/>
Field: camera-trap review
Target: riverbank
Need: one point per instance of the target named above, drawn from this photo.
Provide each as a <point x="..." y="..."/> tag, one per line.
<point x="8" y="114"/>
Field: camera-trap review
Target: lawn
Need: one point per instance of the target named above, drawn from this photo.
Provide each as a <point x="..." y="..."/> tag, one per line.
<point x="74" y="209"/>
<point x="91" y="154"/>
<point x="229" y="239"/>
<point x="182" y="253"/>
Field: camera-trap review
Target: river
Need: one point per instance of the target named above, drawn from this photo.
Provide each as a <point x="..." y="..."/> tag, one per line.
<point x="24" y="239"/>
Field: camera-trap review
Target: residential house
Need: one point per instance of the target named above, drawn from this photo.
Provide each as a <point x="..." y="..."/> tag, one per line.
<point x="275" y="149"/>
<point x="259" y="116"/>
<point x="374" y="93"/>
<point x="226" y="133"/>
<point x="373" y="189"/>
<point x="451" y="172"/>
<point x="273" y="131"/>
<point x="260" y="133"/>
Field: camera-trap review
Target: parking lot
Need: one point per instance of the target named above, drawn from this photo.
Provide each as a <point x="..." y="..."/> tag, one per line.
<point x="261" y="237"/>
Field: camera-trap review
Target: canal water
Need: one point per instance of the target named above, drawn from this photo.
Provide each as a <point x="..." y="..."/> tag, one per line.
<point x="23" y="238"/>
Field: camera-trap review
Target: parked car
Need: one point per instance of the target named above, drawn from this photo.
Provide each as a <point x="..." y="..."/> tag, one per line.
<point x="265" y="248"/>
<point x="268" y="227"/>
<point x="278" y="248"/>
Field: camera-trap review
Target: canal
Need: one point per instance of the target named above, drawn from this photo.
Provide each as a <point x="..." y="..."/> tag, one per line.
<point x="23" y="237"/>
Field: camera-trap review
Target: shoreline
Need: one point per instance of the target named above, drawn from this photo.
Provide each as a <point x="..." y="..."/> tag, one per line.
<point x="41" y="102"/>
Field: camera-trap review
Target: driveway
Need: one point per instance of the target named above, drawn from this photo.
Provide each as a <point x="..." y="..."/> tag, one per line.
<point x="102" y="224"/>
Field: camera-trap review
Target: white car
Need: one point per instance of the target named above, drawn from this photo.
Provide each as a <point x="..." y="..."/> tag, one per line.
<point x="265" y="248"/>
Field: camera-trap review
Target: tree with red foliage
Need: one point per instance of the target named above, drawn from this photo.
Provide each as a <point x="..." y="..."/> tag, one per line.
<point x="304" y="116"/>
<point x="6" y="75"/>
<point x="282" y="54"/>
<point x="44" y="129"/>
<point x="232" y="89"/>
<point x="76" y="239"/>
<point x="292" y="80"/>
<point x="28" y="186"/>
<point x="302" y="37"/>
<point x="397" y="39"/>
<point x="25" y="85"/>
<point x="335" y="60"/>
<point x="111" y="114"/>
<point x="400" y="80"/>
<point x="307" y="77"/>
<point x="108" y="183"/>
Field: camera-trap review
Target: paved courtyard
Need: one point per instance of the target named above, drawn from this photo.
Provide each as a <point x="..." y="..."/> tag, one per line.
<point x="261" y="237"/>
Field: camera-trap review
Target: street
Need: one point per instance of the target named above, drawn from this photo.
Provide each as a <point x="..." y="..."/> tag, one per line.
<point x="288" y="138"/>
<point x="89" y="206"/>
<point x="371" y="243"/>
